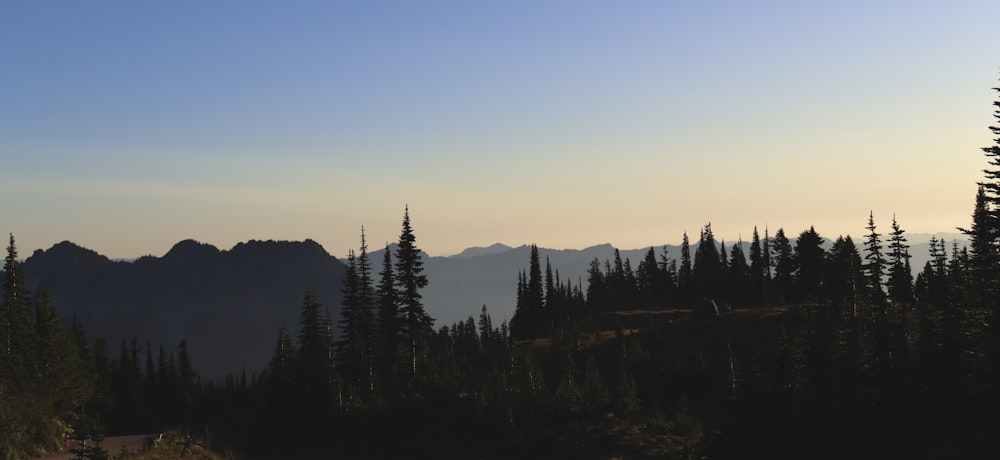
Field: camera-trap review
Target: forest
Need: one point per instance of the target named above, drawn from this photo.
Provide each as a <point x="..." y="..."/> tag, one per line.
<point x="798" y="349"/>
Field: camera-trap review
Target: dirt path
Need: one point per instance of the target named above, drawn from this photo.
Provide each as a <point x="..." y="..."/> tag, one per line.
<point x="112" y="444"/>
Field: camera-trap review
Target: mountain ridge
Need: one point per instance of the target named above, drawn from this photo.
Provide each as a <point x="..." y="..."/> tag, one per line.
<point x="195" y="290"/>
<point x="227" y="304"/>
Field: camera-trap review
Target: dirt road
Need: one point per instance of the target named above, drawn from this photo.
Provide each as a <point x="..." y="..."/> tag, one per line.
<point x="112" y="444"/>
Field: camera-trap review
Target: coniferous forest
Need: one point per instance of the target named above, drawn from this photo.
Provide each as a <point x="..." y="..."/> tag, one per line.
<point x="805" y="346"/>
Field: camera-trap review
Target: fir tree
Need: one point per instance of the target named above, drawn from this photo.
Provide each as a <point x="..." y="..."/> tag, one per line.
<point x="810" y="259"/>
<point x="389" y="324"/>
<point x="312" y="364"/>
<point x="685" y="275"/>
<point x="784" y="266"/>
<point x="984" y="259"/>
<point x="410" y="279"/>
<point x="707" y="270"/>
<point x="365" y="318"/>
<point x="756" y="278"/>
<point x="875" y="265"/>
<point x="739" y="274"/>
<point x="649" y="278"/>
<point x="900" y="278"/>
<point x="985" y="242"/>
<point x="597" y="287"/>
<point x="535" y="294"/>
<point x="843" y="275"/>
<point x="15" y="323"/>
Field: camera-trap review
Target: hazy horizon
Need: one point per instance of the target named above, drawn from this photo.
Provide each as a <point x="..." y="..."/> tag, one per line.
<point x="128" y="127"/>
<point x="25" y="252"/>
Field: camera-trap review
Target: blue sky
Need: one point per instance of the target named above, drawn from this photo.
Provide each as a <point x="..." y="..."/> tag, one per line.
<point x="128" y="126"/>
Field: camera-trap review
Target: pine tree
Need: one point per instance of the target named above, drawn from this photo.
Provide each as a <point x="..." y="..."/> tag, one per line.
<point x="985" y="255"/>
<point x="843" y="275"/>
<point x="739" y="274"/>
<point x="365" y="318"/>
<point x="552" y="314"/>
<point x="756" y="278"/>
<point x="724" y="289"/>
<point x="984" y="259"/>
<point x="521" y="325"/>
<point x="283" y="416"/>
<point x="784" y="266"/>
<point x="410" y="279"/>
<point x="875" y="265"/>
<point x="597" y="287"/>
<point x="351" y="344"/>
<point x="312" y="364"/>
<point x="389" y="323"/>
<point x="15" y="324"/>
<point x="936" y="274"/>
<point x="810" y="261"/>
<point x="187" y="383"/>
<point x="485" y="328"/>
<point x="649" y="278"/>
<point x="536" y="295"/>
<point x="685" y="275"/>
<point x="900" y="278"/>
<point x="707" y="270"/>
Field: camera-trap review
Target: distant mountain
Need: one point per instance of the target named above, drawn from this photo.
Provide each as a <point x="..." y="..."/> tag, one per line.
<point x="228" y="305"/>
<point x="477" y="251"/>
<point x="460" y="285"/>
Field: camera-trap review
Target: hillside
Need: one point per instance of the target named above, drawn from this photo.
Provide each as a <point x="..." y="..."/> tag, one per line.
<point x="228" y="304"/>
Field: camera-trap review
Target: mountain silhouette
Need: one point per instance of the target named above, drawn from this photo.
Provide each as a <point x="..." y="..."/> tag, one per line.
<point x="459" y="285"/>
<point x="228" y="305"/>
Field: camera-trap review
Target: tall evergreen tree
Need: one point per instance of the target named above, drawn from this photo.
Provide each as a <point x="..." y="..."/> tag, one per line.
<point x="312" y="364"/>
<point x="410" y="279"/>
<point x="843" y="274"/>
<point x="649" y="278"/>
<point x="366" y="317"/>
<point x="597" y="288"/>
<point x="810" y="260"/>
<point x="350" y="347"/>
<point x="900" y="278"/>
<point x="707" y="271"/>
<point x="685" y="275"/>
<point x="984" y="260"/>
<point x="935" y="274"/>
<point x="739" y="274"/>
<point x="875" y="263"/>
<point x="522" y="324"/>
<point x="985" y="242"/>
<point x="756" y="277"/>
<point x="389" y="323"/>
<point x="536" y="294"/>
<point x="15" y="323"/>
<point x="784" y="266"/>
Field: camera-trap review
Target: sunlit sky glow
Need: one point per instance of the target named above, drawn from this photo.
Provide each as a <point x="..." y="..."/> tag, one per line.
<point x="128" y="126"/>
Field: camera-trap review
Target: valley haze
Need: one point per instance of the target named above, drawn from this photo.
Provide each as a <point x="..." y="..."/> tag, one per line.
<point x="228" y="304"/>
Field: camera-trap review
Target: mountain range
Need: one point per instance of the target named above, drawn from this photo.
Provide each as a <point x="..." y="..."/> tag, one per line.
<point x="229" y="304"/>
<point x="461" y="284"/>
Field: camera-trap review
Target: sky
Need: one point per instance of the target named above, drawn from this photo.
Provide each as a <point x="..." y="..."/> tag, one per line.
<point x="128" y="126"/>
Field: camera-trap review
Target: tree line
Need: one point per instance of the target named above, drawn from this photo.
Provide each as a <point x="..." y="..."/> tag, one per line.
<point x="827" y="353"/>
<point x="777" y="271"/>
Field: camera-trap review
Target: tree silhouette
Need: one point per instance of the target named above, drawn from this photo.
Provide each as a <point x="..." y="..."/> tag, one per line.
<point x="410" y="279"/>
<point x="900" y="276"/>
<point x="875" y="264"/>
<point x="784" y="267"/>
